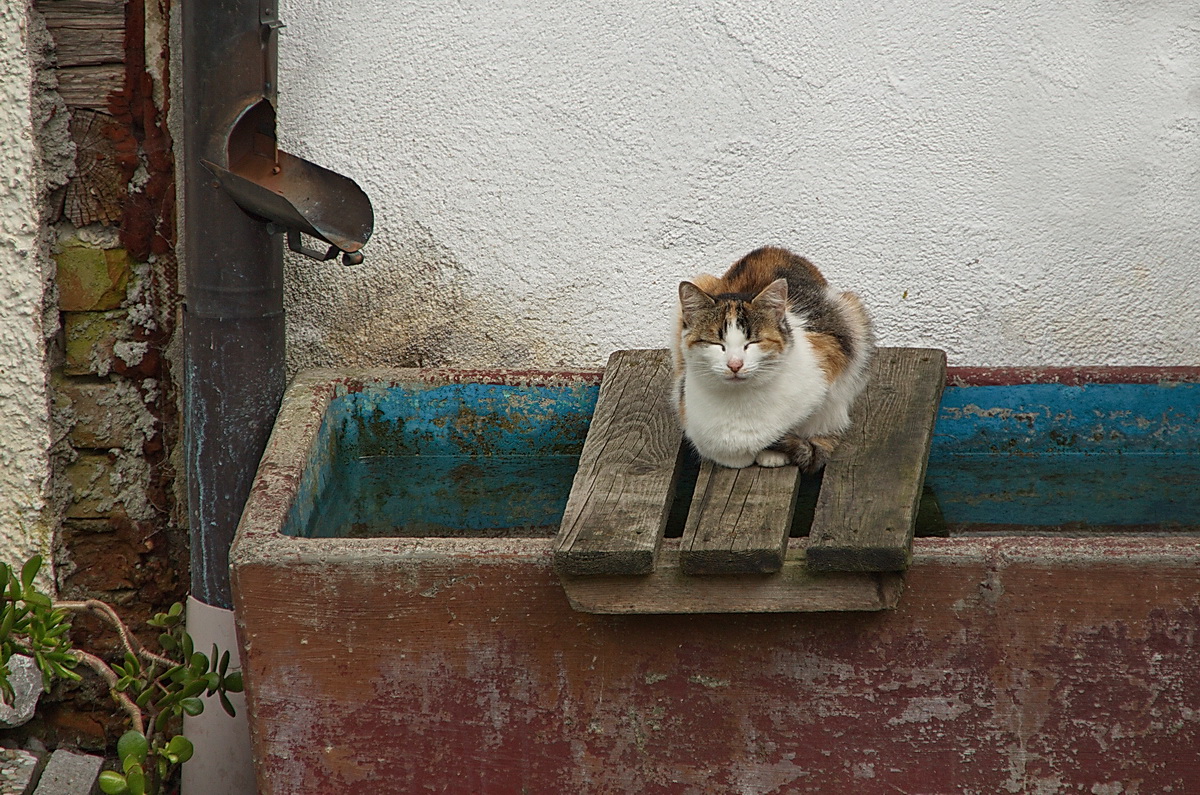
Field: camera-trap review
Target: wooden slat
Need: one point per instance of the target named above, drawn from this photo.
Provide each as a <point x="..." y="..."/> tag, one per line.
<point x="613" y="523"/>
<point x="868" y="502"/>
<point x="739" y="520"/>
<point x="82" y="13"/>
<point x="795" y="588"/>
<point x="88" y="46"/>
<point x="90" y="86"/>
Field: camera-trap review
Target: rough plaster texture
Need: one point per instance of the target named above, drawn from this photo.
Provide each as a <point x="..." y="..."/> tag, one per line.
<point x="1013" y="182"/>
<point x="26" y="523"/>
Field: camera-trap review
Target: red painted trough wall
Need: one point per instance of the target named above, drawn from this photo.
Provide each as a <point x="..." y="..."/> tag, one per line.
<point x="1010" y="666"/>
<point x="1022" y="665"/>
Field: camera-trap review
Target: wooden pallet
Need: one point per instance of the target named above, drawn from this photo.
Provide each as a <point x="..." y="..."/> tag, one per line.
<point x="735" y="554"/>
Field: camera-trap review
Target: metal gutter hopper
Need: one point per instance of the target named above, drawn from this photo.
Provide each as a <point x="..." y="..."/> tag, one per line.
<point x="292" y="193"/>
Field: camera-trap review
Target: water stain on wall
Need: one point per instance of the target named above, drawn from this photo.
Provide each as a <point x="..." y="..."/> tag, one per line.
<point x="408" y="305"/>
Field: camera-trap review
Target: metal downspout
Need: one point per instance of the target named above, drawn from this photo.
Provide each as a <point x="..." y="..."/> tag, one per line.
<point x="234" y="370"/>
<point x="242" y="196"/>
<point x="233" y="322"/>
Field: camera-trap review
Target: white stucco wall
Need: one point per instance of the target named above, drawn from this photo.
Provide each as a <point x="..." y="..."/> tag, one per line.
<point x="26" y="525"/>
<point x="1014" y="182"/>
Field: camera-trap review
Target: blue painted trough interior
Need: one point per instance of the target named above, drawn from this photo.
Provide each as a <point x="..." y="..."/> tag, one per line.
<point x="479" y="460"/>
<point x="487" y="460"/>
<point x="1109" y="457"/>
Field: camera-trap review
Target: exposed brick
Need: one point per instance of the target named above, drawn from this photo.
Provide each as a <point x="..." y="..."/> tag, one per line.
<point x="91" y="279"/>
<point x="103" y="414"/>
<point x="127" y="564"/>
<point x="113" y="485"/>
<point x="139" y="562"/>
<point x="102" y="563"/>
<point x="87" y="526"/>
<point x="83" y="729"/>
<point x="90" y="340"/>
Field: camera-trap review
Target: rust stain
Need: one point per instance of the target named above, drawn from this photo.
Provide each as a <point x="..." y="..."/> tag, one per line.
<point x="1070" y="376"/>
<point x="1026" y="418"/>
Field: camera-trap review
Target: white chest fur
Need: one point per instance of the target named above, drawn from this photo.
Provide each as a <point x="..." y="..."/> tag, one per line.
<point x="730" y="421"/>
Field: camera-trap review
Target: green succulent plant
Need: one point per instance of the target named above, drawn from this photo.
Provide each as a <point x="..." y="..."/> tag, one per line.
<point x="153" y="690"/>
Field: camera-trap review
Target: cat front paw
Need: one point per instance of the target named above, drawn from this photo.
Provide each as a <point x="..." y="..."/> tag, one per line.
<point x="771" y="458"/>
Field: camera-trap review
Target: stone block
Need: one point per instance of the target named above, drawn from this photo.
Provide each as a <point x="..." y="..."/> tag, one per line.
<point x="17" y="770"/>
<point x="91" y="338"/>
<point x="26" y="681"/>
<point x="92" y="279"/>
<point x="70" y="773"/>
<point x="93" y="492"/>
<point x="102" y="415"/>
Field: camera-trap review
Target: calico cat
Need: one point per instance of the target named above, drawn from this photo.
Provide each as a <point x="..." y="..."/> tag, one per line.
<point x="768" y="360"/>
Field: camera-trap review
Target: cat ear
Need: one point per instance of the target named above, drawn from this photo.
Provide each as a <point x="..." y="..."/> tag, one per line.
<point x="773" y="297"/>
<point x="693" y="299"/>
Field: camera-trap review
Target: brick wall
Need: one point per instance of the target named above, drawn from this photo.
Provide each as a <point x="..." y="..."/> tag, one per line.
<point x="115" y="396"/>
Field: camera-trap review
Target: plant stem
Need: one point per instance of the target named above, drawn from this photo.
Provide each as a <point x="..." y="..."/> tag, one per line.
<point x="128" y="640"/>
<point x="107" y="674"/>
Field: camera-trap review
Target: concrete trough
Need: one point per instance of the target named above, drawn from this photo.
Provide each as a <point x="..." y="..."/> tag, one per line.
<point x="1039" y="648"/>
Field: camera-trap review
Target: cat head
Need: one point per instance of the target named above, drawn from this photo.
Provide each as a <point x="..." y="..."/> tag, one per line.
<point x="734" y="337"/>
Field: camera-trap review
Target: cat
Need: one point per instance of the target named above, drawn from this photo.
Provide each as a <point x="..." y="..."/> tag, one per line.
<point x="768" y="360"/>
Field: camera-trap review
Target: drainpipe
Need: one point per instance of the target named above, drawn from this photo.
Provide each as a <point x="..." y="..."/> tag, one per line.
<point x="241" y="198"/>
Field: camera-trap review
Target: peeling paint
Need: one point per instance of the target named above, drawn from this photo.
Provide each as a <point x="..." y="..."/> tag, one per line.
<point x="1056" y="688"/>
<point x="708" y="681"/>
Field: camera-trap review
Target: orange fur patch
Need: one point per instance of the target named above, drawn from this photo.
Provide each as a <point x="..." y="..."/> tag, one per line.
<point x="857" y="311"/>
<point x="826" y="444"/>
<point x="810" y="454"/>
<point x="771" y="340"/>
<point x="830" y="355"/>
<point x="759" y="268"/>
<point x="709" y="283"/>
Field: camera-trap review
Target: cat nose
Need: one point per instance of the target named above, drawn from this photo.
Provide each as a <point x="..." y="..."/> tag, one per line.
<point x="735" y="364"/>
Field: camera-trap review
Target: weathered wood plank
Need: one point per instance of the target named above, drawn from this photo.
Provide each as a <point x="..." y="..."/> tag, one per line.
<point x="622" y="492"/>
<point x="82" y="13"/>
<point x="739" y="520"/>
<point x="88" y="46"/>
<point x="795" y="588"/>
<point x="90" y="86"/>
<point x="867" y="507"/>
<point x="97" y="192"/>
